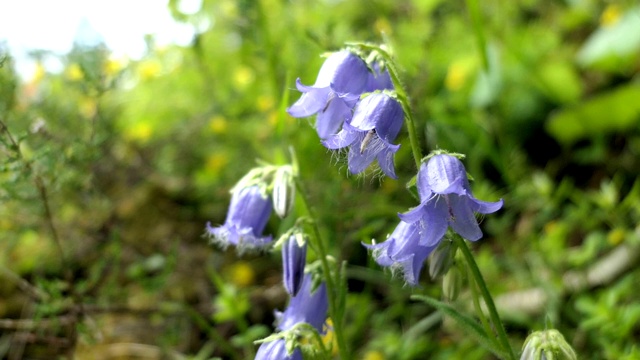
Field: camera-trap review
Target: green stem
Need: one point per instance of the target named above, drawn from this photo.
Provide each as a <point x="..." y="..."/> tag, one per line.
<point x="406" y="106"/>
<point x="332" y="290"/>
<point x="488" y="300"/>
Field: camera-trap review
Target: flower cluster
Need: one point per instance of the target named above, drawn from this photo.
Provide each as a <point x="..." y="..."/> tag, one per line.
<point x="446" y="201"/>
<point x="348" y="116"/>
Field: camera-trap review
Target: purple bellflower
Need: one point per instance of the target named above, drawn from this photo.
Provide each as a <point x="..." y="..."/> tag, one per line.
<point x="293" y="261"/>
<point x="276" y="350"/>
<point x="446" y="200"/>
<point x="402" y="250"/>
<point x="376" y="122"/>
<point x="341" y="80"/>
<point x="307" y="307"/>
<point x="246" y="219"/>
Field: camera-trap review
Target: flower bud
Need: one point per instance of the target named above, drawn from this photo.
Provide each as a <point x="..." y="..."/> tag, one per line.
<point x="294" y="256"/>
<point x="452" y="283"/>
<point x="547" y="344"/>
<point x="284" y="191"/>
<point x="441" y="259"/>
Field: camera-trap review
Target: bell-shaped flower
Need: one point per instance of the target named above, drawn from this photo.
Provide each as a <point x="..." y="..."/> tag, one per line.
<point x="294" y="257"/>
<point x="341" y="80"/>
<point x="446" y="200"/>
<point x="402" y="251"/>
<point x="246" y="219"/>
<point x="276" y="350"/>
<point x="306" y="307"/>
<point x="376" y="122"/>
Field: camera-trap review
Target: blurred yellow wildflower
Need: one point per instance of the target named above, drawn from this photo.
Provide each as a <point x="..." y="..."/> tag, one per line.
<point x="241" y="274"/>
<point x="382" y="25"/>
<point x="243" y="76"/>
<point x="265" y="102"/>
<point x="611" y="15"/>
<point x="112" y="67"/>
<point x="216" y="162"/>
<point x="218" y="124"/>
<point x="87" y="107"/>
<point x="329" y="339"/>
<point x="616" y="236"/>
<point x="38" y="73"/>
<point x="149" y="69"/>
<point x="141" y="132"/>
<point x="458" y="74"/>
<point x="74" y="72"/>
<point x="373" y="355"/>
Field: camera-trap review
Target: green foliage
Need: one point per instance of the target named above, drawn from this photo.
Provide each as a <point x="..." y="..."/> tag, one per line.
<point x="110" y="168"/>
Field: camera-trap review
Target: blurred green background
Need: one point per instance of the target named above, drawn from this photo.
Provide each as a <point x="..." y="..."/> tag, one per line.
<point x="111" y="168"/>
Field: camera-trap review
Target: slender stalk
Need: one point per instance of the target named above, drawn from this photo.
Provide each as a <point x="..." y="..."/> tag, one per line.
<point x="486" y="296"/>
<point x="332" y="290"/>
<point x="478" y="308"/>
<point x="403" y="98"/>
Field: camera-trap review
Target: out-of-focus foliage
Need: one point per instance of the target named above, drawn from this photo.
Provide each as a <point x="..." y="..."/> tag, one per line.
<point x="111" y="168"/>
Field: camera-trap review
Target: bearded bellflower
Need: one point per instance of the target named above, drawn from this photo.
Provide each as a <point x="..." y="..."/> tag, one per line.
<point x="377" y="120"/>
<point x="294" y="257"/>
<point x="306" y="307"/>
<point x="247" y="217"/>
<point x="402" y="251"/>
<point x="446" y="200"/>
<point x="342" y="78"/>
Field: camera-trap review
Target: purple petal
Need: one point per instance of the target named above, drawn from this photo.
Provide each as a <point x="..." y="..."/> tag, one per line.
<point x="344" y="138"/>
<point x="485" y="207"/>
<point x="444" y="174"/>
<point x="359" y="161"/>
<point x="385" y="159"/>
<point x="413" y="215"/>
<point x="464" y="221"/>
<point x="307" y="307"/>
<point x="312" y="100"/>
<point x="381" y="112"/>
<point x="332" y="116"/>
<point x="346" y="71"/>
<point x="378" y="80"/>
<point x="276" y="350"/>
<point x="433" y="224"/>
<point x="293" y="261"/>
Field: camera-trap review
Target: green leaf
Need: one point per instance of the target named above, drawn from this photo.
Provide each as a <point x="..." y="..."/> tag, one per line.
<point x="469" y="324"/>
<point x="617" y="110"/>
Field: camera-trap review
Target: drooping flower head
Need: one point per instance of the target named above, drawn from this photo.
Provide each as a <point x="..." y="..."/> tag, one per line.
<point x="342" y="78"/>
<point x="446" y="200"/>
<point x="307" y="307"/>
<point x="294" y="256"/>
<point x="376" y="122"/>
<point x="247" y="217"/>
<point x="402" y="250"/>
<point x="276" y="350"/>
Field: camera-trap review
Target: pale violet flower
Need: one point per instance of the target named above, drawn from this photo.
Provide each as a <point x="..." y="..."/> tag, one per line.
<point x="377" y="120"/>
<point x="446" y="200"/>
<point x="342" y="78"/>
<point x="402" y="251"/>
<point x="294" y="257"/>
<point x="247" y="217"/>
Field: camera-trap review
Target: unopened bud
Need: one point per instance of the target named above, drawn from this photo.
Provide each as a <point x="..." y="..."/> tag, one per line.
<point x="294" y="257"/>
<point x="546" y="345"/>
<point x="441" y="259"/>
<point x="284" y="191"/>
<point x="452" y="283"/>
